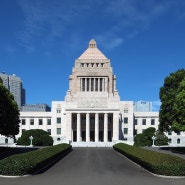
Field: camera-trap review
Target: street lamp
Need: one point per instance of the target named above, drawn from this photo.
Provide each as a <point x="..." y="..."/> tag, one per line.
<point x="153" y="139"/>
<point x="31" y="138"/>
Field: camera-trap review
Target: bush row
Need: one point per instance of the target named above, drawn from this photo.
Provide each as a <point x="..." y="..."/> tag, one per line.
<point x="158" y="163"/>
<point x="30" y="162"/>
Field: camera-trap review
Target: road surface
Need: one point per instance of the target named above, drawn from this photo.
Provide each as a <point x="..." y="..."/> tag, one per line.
<point x="93" y="166"/>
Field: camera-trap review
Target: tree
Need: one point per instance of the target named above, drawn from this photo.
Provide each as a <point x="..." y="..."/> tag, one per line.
<point x="178" y="123"/>
<point x="9" y="113"/>
<point x="40" y="138"/>
<point x="168" y="94"/>
<point x="161" y="139"/>
<point x="145" y="139"/>
<point x="140" y="140"/>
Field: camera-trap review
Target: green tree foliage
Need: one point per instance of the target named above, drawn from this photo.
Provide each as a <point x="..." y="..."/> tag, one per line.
<point x="161" y="139"/>
<point x="170" y="93"/>
<point x="9" y="113"/>
<point x="178" y="123"/>
<point x="40" y="138"/>
<point x="145" y="139"/>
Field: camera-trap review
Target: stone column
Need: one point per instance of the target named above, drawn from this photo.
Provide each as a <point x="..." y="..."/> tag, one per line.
<point x="94" y="83"/>
<point x="103" y="84"/>
<point x="105" y="127"/>
<point x="106" y="84"/>
<point x="114" y="82"/>
<point x="87" y="128"/>
<point x="78" y="127"/>
<point x="96" y="127"/>
<point x="68" y="127"/>
<point x="115" y="126"/>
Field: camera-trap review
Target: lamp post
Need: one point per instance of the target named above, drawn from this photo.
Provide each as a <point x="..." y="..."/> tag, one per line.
<point x="31" y="138"/>
<point x="153" y="139"/>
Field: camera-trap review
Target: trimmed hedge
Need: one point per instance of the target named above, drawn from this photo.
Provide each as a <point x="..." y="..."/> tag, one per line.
<point x="158" y="163"/>
<point x="29" y="163"/>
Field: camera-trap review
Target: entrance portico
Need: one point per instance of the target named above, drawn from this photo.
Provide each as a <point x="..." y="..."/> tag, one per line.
<point x="94" y="127"/>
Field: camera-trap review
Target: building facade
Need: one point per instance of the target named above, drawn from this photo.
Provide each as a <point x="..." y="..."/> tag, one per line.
<point x="142" y="106"/>
<point x="92" y="113"/>
<point x="14" y="84"/>
<point x="35" y="108"/>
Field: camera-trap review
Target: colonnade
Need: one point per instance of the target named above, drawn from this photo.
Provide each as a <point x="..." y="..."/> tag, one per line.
<point x="97" y="84"/>
<point x="94" y="127"/>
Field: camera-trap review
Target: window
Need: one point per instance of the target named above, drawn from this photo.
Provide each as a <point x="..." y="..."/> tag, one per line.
<point x="125" y="110"/>
<point x="125" y="120"/>
<point x="102" y="64"/>
<point x="87" y="84"/>
<point x="135" y="121"/>
<point x="178" y="141"/>
<point x="135" y="132"/>
<point x="92" y="84"/>
<point x="23" y="122"/>
<point x="58" y="120"/>
<point x="169" y="140"/>
<point x="58" y="110"/>
<point x="96" y="85"/>
<point x="49" y="131"/>
<point x="48" y="121"/>
<point x="58" y="139"/>
<point x="152" y="121"/>
<point x="144" y="122"/>
<point x="40" y="122"/>
<point x="31" y="121"/>
<point x="101" y="84"/>
<point x="82" y="64"/>
<point x="58" y="130"/>
<point x="83" y="84"/>
<point x="125" y="131"/>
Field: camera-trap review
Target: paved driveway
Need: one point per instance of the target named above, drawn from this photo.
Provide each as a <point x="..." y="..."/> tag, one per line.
<point x="93" y="166"/>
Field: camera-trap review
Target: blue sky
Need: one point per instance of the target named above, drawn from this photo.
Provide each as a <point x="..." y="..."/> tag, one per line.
<point x="40" y="40"/>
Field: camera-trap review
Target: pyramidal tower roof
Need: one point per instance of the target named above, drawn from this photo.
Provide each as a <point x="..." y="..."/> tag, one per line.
<point x="92" y="52"/>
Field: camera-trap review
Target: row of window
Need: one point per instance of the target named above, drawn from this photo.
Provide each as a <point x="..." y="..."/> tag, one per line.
<point x="92" y="84"/>
<point x="170" y="133"/>
<point x="40" y="121"/>
<point x="92" y="64"/>
<point x="152" y="121"/>
<point x="170" y="141"/>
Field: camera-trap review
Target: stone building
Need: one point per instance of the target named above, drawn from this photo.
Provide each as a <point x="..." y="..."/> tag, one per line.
<point x="92" y="113"/>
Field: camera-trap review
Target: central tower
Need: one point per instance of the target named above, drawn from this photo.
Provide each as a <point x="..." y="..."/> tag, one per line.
<point x="92" y="77"/>
<point x="92" y="103"/>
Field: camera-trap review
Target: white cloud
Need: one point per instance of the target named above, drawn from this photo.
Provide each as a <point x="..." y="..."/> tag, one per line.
<point x="47" y="22"/>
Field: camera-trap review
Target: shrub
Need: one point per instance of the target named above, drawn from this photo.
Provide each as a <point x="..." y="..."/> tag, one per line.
<point x="144" y="139"/>
<point x="30" y="162"/>
<point x="159" y="163"/>
<point x="40" y="138"/>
